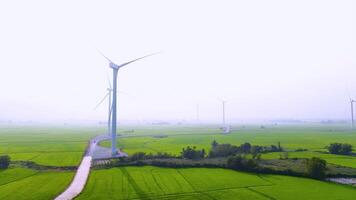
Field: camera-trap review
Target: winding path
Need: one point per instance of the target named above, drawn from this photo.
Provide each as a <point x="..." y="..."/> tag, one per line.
<point x="94" y="151"/>
<point x="79" y="180"/>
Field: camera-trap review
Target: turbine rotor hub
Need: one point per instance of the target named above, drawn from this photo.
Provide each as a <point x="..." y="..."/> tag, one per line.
<point x="114" y="66"/>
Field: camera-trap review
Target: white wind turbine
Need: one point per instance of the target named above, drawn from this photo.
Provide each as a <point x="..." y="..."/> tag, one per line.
<point x="115" y="68"/>
<point x="108" y="95"/>
<point x="352" y="101"/>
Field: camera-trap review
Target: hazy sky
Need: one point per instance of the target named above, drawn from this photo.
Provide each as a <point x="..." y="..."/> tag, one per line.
<point x="268" y="59"/>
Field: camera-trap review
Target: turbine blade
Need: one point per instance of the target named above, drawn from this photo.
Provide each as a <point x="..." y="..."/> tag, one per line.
<point x="109" y="82"/>
<point x="107" y="94"/>
<point x="348" y="93"/>
<point x="104" y="56"/>
<point x="137" y="59"/>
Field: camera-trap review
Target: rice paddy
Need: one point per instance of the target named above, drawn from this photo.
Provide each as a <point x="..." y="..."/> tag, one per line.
<point x="203" y="183"/>
<point x="21" y="183"/>
<point x="52" y="146"/>
<point x="312" y="138"/>
<point x="59" y="146"/>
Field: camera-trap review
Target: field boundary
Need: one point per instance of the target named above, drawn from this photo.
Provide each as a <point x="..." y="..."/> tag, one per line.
<point x="260" y="193"/>
<point x="36" y="173"/>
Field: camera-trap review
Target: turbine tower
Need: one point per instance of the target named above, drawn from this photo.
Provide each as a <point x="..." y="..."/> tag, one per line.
<point x="109" y="108"/>
<point x="115" y="68"/>
<point x="223" y="112"/>
<point x="352" y="112"/>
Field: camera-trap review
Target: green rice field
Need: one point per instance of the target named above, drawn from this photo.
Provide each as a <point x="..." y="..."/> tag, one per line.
<point x="204" y="183"/>
<point x="21" y="183"/>
<point x="313" y="138"/>
<point x="291" y="138"/>
<point x="64" y="146"/>
<point x="53" y="146"/>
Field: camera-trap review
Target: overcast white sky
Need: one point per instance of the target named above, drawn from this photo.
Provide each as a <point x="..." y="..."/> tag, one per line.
<point x="268" y="59"/>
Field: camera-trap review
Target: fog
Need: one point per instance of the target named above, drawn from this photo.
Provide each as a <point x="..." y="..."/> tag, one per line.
<point x="267" y="59"/>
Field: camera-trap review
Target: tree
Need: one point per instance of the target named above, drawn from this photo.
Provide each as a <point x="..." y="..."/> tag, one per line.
<point x="346" y="149"/>
<point x="316" y="168"/>
<point x="339" y="148"/>
<point x="280" y="147"/>
<point x="246" y="147"/>
<point x="214" y="144"/>
<point x="202" y="153"/>
<point x="222" y="150"/>
<point x="192" y="153"/>
<point x="138" y="156"/>
<point x="241" y="163"/>
<point x="4" y="161"/>
<point x="255" y="149"/>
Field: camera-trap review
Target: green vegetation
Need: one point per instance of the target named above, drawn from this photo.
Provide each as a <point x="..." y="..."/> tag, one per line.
<point x="4" y="162"/>
<point x="192" y="153"/>
<point x="343" y="160"/>
<point x="239" y="162"/>
<point x="316" y="168"/>
<point x="338" y="148"/>
<point x="54" y="146"/>
<point x="309" y="141"/>
<point x="64" y="147"/>
<point x="223" y="150"/>
<point x="21" y="183"/>
<point x="203" y="183"/>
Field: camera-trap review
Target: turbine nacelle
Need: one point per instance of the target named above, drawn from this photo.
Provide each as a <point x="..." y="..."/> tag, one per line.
<point x="114" y="66"/>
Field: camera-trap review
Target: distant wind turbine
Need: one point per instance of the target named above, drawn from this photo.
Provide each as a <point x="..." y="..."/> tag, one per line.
<point x="352" y="112"/>
<point x="226" y="128"/>
<point x="115" y="68"/>
<point x="108" y="95"/>
<point x="223" y="111"/>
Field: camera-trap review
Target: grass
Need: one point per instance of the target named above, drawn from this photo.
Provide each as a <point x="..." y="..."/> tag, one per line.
<point x="202" y="183"/>
<point x="11" y="175"/>
<point x="347" y="161"/>
<point x="53" y="146"/>
<point x="21" y="183"/>
<point x="293" y="188"/>
<point x="313" y="138"/>
<point x="64" y="146"/>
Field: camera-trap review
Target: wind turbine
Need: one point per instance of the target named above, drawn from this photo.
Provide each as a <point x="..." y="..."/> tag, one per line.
<point x="225" y="128"/>
<point x="108" y="94"/>
<point x="223" y="111"/>
<point x="352" y="112"/>
<point x="115" y="68"/>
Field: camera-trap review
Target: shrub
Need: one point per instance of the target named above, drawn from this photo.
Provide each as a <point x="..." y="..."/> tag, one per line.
<point x="245" y="148"/>
<point x="339" y="148"/>
<point x="138" y="156"/>
<point x="143" y="156"/>
<point x="316" y="168"/>
<point x="241" y="163"/>
<point x="192" y="153"/>
<point x="224" y="150"/>
<point x="4" y="161"/>
<point x="301" y="149"/>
